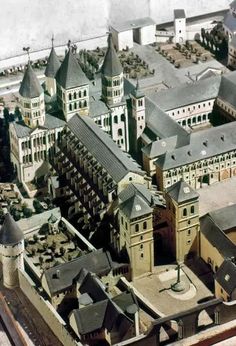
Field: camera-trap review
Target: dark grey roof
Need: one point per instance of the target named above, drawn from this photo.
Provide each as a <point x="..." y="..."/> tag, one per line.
<point x="179" y="13"/>
<point x="162" y="124"/>
<point x="137" y="92"/>
<point x="102" y="148"/>
<point x="181" y="192"/>
<point x="226" y="276"/>
<point x="135" y="206"/>
<point x="230" y="22"/>
<point x="125" y="300"/>
<point x="70" y="74"/>
<point x="10" y="233"/>
<point x="159" y="147"/>
<point x="98" y="262"/>
<point x="233" y="4"/>
<point x="97" y="108"/>
<point x="217" y="237"/>
<point x="30" y="86"/>
<point x="225" y="218"/>
<point x="203" y="144"/>
<point x="153" y="198"/>
<point x="111" y="66"/>
<point x="51" y="122"/>
<point x="53" y="64"/>
<point x="184" y="95"/>
<point x="228" y="88"/>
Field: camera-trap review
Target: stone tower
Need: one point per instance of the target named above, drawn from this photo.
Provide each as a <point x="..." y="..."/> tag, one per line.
<point x="138" y="118"/>
<point x="53" y="66"/>
<point x="72" y="87"/>
<point x="11" y="251"/>
<point x="113" y="95"/>
<point x="182" y="207"/>
<point x="31" y="99"/>
<point x="136" y="234"/>
<point x="180" y="26"/>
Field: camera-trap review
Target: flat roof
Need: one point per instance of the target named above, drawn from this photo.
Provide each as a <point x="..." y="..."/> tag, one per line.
<point x="133" y="24"/>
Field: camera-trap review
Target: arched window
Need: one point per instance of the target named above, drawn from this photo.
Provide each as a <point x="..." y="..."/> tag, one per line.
<point x="85" y="93"/>
<point x="70" y="107"/>
<point x="145" y="225"/>
<point x="79" y="94"/>
<point x="119" y="132"/>
<point x="116" y="119"/>
<point x="70" y="96"/>
<point x="192" y="209"/>
<point x="85" y="103"/>
<point x="185" y="212"/>
<point x="75" y="96"/>
<point x="122" y="117"/>
<point x="75" y="105"/>
<point x="137" y="227"/>
<point x="80" y="104"/>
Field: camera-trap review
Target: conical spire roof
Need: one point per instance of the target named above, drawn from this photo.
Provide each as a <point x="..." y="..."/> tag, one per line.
<point x="30" y="86"/>
<point x="52" y="65"/>
<point x="70" y="74"/>
<point x="10" y="233"/>
<point x="111" y="66"/>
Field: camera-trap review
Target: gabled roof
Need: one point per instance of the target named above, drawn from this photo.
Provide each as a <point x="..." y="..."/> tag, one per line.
<point x="98" y="262"/>
<point x="225" y="218"/>
<point x="10" y="233"/>
<point x="182" y="192"/>
<point x="70" y="74"/>
<point x="226" y="276"/>
<point x="216" y="237"/>
<point x="30" y="86"/>
<point x="135" y="206"/>
<point x="53" y="64"/>
<point x="228" y="87"/>
<point x="100" y="145"/>
<point x="111" y="66"/>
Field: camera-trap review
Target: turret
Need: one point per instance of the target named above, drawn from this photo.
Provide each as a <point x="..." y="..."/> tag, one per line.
<point x="11" y="251"/>
<point x="72" y="87"/>
<point x="32" y="104"/>
<point x="53" y="66"/>
<point x="112" y="76"/>
<point x="138" y="110"/>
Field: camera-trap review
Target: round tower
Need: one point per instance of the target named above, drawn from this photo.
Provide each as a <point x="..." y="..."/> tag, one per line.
<point x="11" y="251"/>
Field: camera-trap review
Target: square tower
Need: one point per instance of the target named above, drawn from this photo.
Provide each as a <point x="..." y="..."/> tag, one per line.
<point x="180" y="26"/>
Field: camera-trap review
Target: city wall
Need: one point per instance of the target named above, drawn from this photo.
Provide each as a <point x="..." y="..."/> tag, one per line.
<point x="48" y="313"/>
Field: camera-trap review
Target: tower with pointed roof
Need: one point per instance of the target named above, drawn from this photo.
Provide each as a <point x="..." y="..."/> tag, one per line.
<point x="136" y="234"/>
<point x="113" y="95"/>
<point x="31" y="99"/>
<point x="137" y="117"/>
<point x="11" y="251"/>
<point x="72" y="87"/>
<point x="53" y="66"/>
<point x="182" y="203"/>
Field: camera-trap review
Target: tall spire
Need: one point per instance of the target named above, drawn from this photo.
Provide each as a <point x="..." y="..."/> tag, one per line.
<point x="70" y="74"/>
<point x="111" y="66"/>
<point x="10" y="233"/>
<point x="30" y="86"/>
<point x="137" y="92"/>
<point x="53" y="63"/>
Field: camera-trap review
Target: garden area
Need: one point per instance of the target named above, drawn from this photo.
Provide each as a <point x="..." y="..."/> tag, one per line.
<point x="47" y="249"/>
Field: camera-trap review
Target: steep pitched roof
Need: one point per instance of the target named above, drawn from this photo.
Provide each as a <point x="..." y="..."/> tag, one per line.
<point x="10" y="233"/>
<point x="135" y="206"/>
<point x="226" y="276"/>
<point x="70" y="74"/>
<point x="182" y="192"/>
<point x="53" y="64"/>
<point x="111" y="66"/>
<point x="30" y="86"/>
<point x="102" y="148"/>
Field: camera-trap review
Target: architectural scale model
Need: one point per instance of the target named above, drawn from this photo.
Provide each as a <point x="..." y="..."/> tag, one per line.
<point x="117" y="187"/>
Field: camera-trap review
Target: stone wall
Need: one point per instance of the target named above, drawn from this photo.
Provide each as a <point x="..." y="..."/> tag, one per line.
<point x="48" y="313"/>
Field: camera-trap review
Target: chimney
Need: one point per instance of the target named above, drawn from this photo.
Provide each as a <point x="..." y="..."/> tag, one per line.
<point x="222" y="137"/>
<point x="205" y="143"/>
<point x="58" y="274"/>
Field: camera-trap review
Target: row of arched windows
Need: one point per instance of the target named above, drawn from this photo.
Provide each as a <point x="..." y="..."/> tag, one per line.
<point x="77" y="95"/>
<point x="81" y="104"/>
<point x="116" y="118"/>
